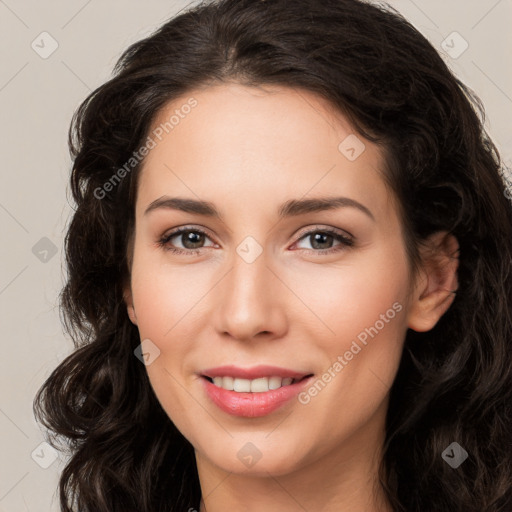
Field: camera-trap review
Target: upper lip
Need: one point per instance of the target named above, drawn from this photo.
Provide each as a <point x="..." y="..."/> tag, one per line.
<point x="255" y="372"/>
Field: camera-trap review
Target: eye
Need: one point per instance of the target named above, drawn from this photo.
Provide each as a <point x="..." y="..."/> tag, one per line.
<point x="321" y="240"/>
<point x="191" y="238"/>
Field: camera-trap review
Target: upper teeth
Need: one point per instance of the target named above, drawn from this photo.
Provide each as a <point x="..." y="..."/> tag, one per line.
<point x="254" y="386"/>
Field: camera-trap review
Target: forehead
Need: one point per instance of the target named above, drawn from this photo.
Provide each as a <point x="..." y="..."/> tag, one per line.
<point x="265" y="142"/>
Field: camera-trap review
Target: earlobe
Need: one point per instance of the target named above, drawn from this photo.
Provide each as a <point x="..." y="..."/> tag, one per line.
<point x="128" y="299"/>
<point x="435" y="291"/>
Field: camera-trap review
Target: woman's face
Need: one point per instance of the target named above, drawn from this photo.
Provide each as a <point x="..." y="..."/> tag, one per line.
<point x="268" y="283"/>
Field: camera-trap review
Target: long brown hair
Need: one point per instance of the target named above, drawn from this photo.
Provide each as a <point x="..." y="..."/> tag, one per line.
<point x="454" y="383"/>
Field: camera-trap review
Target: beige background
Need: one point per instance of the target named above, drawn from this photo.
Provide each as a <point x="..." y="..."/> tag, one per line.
<point x="37" y="99"/>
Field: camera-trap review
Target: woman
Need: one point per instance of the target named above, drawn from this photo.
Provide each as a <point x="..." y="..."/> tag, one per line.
<point x="290" y="277"/>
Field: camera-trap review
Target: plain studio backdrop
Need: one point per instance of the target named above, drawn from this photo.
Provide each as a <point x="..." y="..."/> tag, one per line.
<point x="53" y="54"/>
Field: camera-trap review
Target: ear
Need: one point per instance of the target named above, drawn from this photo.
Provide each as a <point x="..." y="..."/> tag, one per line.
<point x="436" y="286"/>
<point x="128" y="299"/>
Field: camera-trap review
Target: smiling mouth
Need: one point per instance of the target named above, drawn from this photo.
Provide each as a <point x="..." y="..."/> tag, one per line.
<point x="259" y="385"/>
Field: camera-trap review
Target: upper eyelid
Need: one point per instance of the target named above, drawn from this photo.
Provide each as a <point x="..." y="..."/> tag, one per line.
<point x="315" y="228"/>
<point x="183" y="229"/>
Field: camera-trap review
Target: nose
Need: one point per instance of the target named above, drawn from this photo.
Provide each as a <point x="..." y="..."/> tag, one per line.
<point x="250" y="301"/>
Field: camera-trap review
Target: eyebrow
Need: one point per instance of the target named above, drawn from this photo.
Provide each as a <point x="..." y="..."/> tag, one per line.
<point x="291" y="208"/>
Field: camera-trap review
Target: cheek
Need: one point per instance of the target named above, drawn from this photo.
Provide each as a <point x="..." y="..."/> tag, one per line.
<point x="167" y="303"/>
<point x="364" y="309"/>
<point x="350" y="296"/>
<point x="161" y="306"/>
<point x="368" y="338"/>
<point x="361" y="362"/>
<point x="164" y="297"/>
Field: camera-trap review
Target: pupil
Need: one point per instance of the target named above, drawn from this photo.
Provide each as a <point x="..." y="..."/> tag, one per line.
<point x="320" y="238"/>
<point x="193" y="238"/>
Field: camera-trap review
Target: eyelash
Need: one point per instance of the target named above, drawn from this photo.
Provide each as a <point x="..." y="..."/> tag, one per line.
<point x="345" y="241"/>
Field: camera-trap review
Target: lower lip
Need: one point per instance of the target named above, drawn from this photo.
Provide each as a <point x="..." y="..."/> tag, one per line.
<point x="252" y="405"/>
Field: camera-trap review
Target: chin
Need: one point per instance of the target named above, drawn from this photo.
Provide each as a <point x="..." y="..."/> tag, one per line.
<point x="248" y="456"/>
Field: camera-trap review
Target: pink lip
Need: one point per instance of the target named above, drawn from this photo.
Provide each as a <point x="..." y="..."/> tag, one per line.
<point x="255" y="372"/>
<point x="252" y="405"/>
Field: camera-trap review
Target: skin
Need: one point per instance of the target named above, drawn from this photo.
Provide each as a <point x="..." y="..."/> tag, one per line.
<point x="247" y="150"/>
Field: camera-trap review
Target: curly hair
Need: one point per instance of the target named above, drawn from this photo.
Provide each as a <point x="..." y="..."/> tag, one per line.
<point x="454" y="382"/>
